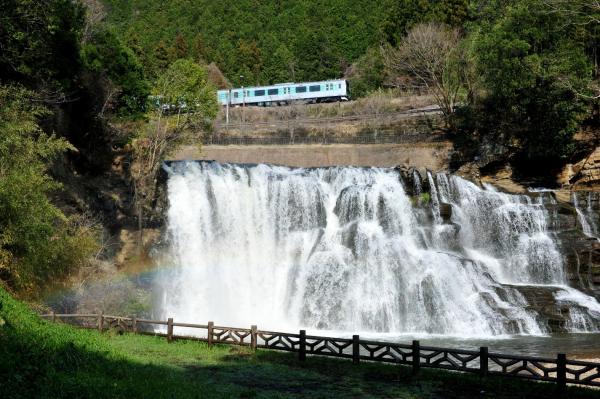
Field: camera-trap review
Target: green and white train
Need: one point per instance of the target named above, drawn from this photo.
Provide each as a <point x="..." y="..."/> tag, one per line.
<point x="286" y="93"/>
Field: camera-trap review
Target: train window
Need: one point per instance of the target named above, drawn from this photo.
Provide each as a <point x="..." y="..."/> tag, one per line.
<point x="314" y="88"/>
<point x="273" y="92"/>
<point x="259" y="93"/>
<point x="340" y="86"/>
<point x="301" y="89"/>
<point x="235" y="94"/>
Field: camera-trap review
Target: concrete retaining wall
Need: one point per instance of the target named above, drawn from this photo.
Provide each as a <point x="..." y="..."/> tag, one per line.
<point x="434" y="156"/>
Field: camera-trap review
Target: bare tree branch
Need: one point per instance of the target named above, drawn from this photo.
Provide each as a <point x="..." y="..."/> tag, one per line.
<point x="429" y="53"/>
<point x="578" y="12"/>
<point x="94" y="15"/>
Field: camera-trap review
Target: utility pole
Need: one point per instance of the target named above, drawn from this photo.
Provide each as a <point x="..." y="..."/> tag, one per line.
<point x="227" y="109"/>
<point x="243" y="104"/>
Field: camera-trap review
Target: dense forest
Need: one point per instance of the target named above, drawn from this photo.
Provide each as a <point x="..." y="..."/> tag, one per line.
<point x="271" y="41"/>
<point x="515" y="79"/>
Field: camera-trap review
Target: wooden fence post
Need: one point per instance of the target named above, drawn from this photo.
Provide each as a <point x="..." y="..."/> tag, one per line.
<point x="302" y="346"/>
<point x="416" y="356"/>
<point x="53" y="316"/>
<point x="253" y="337"/>
<point x="211" y="325"/>
<point x="483" y="361"/>
<point x="134" y="324"/>
<point x="561" y="371"/>
<point x="355" y="349"/>
<point x="170" y="329"/>
<point x="100" y="321"/>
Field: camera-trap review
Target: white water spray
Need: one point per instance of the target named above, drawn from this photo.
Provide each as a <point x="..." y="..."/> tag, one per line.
<point x="347" y="249"/>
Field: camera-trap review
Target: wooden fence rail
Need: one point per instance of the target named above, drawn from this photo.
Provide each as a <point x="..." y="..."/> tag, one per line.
<point x="560" y="370"/>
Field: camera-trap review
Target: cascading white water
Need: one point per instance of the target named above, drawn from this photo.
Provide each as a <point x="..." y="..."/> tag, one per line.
<point x="348" y="249"/>
<point x="586" y="217"/>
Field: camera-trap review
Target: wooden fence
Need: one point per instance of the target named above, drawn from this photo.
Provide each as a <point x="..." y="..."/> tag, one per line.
<point x="560" y="370"/>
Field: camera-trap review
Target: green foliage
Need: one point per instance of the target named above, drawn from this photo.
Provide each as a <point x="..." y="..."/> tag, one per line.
<point x="368" y="74"/>
<point x="266" y="42"/>
<point x="186" y="83"/>
<point x="37" y="242"/>
<point x="422" y="199"/>
<point x="39" y="42"/>
<point x="404" y="14"/>
<point x="531" y="72"/>
<point x="106" y="55"/>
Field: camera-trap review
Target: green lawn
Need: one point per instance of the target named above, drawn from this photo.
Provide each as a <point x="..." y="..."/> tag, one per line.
<point x="41" y="359"/>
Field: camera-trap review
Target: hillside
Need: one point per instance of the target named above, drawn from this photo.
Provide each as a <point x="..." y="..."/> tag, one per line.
<point x="265" y="41"/>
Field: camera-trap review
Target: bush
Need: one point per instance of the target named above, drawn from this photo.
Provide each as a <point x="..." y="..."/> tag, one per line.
<point x="37" y="241"/>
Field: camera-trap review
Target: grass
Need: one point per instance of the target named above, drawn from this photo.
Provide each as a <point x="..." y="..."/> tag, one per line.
<point x="39" y="359"/>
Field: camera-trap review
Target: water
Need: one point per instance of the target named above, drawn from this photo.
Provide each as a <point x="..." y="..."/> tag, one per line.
<point x="586" y="216"/>
<point x="348" y="249"/>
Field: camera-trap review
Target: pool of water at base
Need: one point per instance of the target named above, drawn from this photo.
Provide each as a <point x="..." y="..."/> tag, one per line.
<point x="575" y="345"/>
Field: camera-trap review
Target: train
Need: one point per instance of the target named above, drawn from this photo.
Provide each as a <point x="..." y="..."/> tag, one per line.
<point x="287" y="93"/>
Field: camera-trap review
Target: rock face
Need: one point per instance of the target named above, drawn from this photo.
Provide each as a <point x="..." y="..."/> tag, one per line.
<point x="582" y="240"/>
<point x="585" y="173"/>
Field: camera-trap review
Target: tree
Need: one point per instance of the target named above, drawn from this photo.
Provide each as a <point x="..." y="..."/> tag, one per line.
<point x="429" y="53"/>
<point x="367" y="74"/>
<point x="280" y="67"/>
<point x="580" y="12"/>
<point x="94" y="15"/>
<point x="250" y="59"/>
<point x="37" y="241"/>
<point x="584" y="18"/>
<point x="531" y="73"/>
<point x="199" y="50"/>
<point x="161" y="57"/>
<point x="39" y="44"/>
<point x="185" y="87"/>
<point x="110" y="59"/>
<point x="404" y="14"/>
<point x="179" y="49"/>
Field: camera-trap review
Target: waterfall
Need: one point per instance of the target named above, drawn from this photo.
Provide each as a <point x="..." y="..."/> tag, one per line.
<point x="586" y="217"/>
<point x="417" y="185"/>
<point x="347" y="249"/>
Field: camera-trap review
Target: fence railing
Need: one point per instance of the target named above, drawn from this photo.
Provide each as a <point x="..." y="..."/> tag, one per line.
<point x="559" y="370"/>
<point x="295" y="121"/>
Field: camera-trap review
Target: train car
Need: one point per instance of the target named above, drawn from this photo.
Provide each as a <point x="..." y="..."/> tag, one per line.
<point x="286" y="93"/>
